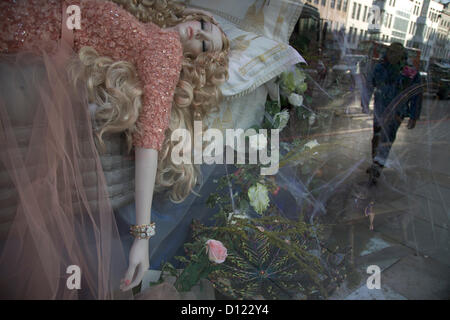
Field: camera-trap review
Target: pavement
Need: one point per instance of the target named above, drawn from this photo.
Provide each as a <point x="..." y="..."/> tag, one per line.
<point x="410" y="242"/>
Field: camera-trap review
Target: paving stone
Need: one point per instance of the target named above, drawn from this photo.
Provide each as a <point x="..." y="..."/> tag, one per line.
<point x="419" y="235"/>
<point x="435" y="193"/>
<point x="424" y="208"/>
<point x="360" y="291"/>
<point x="375" y="244"/>
<point x="403" y="203"/>
<point x="383" y="257"/>
<point x="433" y="212"/>
<point x="384" y="293"/>
<point x="416" y="277"/>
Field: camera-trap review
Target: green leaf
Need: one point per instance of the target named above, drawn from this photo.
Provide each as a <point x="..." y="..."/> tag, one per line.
<point x="243" y="205"/>
<point x="308" y="99"/>
<point x="168" y="267"/>
<point x="181" y="259"/>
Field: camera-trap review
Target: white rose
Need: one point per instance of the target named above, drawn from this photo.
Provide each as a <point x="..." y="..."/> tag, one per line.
<point x="233" y="216"/>
<point x="295" y="99"/>
<point x="311" y="144"/>
<point x="259" y="197"/>
<point x="237" y="214"/>
<point x="312" y="119"/>
<point x="284" y="118"/>
<point x="258" y="141"/>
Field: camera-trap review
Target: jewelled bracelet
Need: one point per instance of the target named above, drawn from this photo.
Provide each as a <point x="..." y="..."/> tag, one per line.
<point x="143" y="231"/>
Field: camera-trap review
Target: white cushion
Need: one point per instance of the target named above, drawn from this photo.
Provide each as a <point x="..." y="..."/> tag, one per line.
<point x="241" y="112"/>
<point x="254" y="59"/>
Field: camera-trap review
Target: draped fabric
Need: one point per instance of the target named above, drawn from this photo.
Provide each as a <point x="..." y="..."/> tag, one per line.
<point x="49" y="156"/>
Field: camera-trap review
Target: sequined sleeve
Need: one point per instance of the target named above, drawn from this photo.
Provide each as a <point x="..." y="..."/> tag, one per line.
<point x="159" y="70"/>
<point x="113" y="32"/>
<point x="24" y="24"/>
<point x="156" y="53"/>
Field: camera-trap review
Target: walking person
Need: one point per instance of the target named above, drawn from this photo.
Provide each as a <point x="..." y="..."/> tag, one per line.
<point x="391" y="80"/>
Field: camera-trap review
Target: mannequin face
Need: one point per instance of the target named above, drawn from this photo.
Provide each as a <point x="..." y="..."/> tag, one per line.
<point x="199" y="36"/>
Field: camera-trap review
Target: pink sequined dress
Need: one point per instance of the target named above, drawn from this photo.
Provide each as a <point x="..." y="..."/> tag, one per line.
<point x="47" y="150"/>
<point x="113" y="32"/>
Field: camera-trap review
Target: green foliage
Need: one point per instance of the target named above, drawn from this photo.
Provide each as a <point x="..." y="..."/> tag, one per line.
<point x="275" y="263"/>
<point x="191" y="275"/>
<point x="269" y="256"/>
<point x="272" y="108"/>
<point x="293" y="81"/>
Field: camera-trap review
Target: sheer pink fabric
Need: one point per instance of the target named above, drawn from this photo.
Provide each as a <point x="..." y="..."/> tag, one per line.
<point x="63" y="216"/>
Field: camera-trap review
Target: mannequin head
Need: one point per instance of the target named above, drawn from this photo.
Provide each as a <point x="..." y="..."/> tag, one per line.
<point x="199" y="36"/>
<point x="204" y="68"/>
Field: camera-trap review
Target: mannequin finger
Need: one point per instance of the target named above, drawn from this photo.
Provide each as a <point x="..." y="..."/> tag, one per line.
<point x="128" y="275"/>
<point x="139" y="276"/>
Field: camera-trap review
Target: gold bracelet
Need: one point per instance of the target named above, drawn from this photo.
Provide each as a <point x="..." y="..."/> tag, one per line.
<point x="143" y="231"/>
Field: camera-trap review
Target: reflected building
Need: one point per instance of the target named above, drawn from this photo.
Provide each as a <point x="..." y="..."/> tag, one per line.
<point x="333" y="13"/>
<point x="358" y="23"/>
<point x="333" y="21"/>
<point x="424" y="29"/>
<point x="441" y="50"/>
<point x="419" y="24"/>
<point x="394" y="20"/>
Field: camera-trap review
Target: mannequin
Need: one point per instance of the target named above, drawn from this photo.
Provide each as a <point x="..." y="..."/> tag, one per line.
<point x="192" y="95"/>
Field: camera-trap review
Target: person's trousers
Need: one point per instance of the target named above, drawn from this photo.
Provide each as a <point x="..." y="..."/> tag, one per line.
<point x="384" y="134"/>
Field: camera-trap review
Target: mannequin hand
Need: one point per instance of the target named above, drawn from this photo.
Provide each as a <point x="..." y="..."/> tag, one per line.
<point x="411" y="123"/>
<point x="138" y="263"/>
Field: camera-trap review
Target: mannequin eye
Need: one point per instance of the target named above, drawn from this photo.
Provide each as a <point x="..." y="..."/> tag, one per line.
<point x="202" y="25"/>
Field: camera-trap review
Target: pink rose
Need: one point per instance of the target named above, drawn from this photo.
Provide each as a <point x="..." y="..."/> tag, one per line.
<point x="409" y="72"/>
<point x="216" y="251"/>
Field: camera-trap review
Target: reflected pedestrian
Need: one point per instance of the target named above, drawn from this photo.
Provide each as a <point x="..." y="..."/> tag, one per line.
<point x="368" y="212"/>
<point x="391" y="79"/>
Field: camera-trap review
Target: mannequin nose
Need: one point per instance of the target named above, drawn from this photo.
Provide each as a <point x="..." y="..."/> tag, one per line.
<point x="200" y="34"/>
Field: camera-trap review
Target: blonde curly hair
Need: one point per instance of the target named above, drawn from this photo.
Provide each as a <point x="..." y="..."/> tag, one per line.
<point x="115" y="87"/>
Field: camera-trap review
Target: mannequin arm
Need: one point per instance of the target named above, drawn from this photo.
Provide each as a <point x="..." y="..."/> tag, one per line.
<point x="146" y="166"/>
